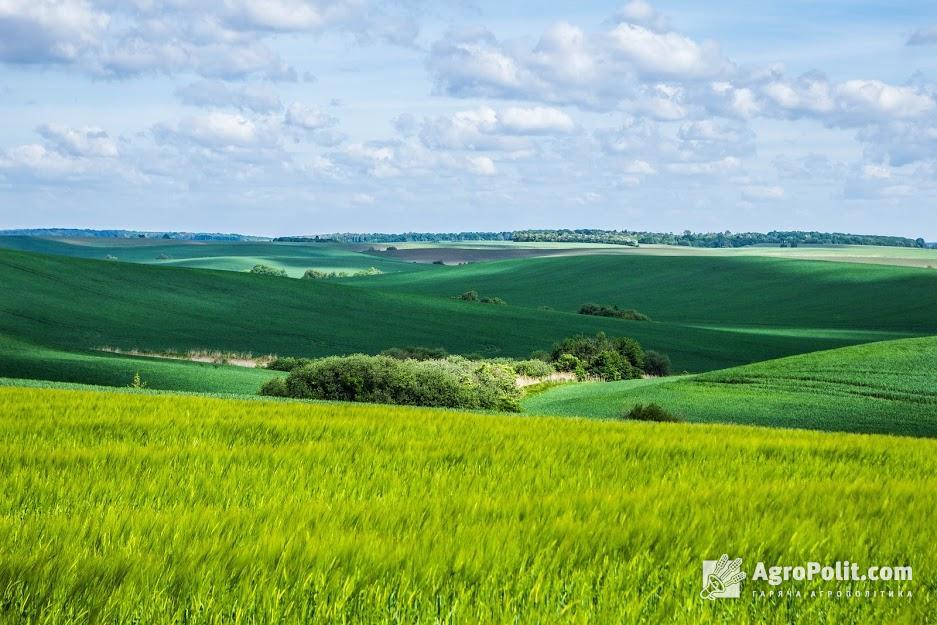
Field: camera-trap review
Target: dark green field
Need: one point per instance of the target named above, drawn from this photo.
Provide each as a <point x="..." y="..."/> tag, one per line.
<point x="709" y="313"/>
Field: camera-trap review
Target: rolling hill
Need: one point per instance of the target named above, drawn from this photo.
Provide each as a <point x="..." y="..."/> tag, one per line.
<point x="75" y="304"/>
<point x="223" y="255"/>
<point x="729" y="292"/>
<point x="888" y="387"/>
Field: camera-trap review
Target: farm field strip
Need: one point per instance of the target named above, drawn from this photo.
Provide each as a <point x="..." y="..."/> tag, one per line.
<point x="323" y="513"/>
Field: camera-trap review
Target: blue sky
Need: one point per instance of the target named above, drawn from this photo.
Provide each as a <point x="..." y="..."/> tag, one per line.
<point x="305" y="116"/>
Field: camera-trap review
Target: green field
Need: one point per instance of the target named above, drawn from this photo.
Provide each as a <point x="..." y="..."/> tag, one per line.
<point x="888" y="387"/>
<point x="294" y="258"/>
<point x="136" y="508"/>
<point x="77" y="304"/>
<point x="24" y="360"/>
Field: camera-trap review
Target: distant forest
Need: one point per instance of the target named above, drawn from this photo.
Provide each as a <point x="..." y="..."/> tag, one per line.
<point x="627" y="237"/>
<point x="128" y="234"/>
<point x="584" y="235"/>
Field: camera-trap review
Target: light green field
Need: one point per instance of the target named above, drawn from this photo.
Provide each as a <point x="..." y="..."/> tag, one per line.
<point x="136" y="508"/>
<point x="888" y="387"/>
<point x="294" y="258"/>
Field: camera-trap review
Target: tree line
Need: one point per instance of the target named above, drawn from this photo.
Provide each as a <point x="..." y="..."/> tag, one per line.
<point x="632" y="238"/>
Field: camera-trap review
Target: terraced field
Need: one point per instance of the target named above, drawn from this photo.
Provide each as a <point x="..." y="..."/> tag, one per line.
<point x="888" y="387"/>
<point x="192" y="510"/>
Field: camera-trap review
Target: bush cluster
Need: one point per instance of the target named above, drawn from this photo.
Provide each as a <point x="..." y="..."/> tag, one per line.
<point x="416" y="353"/>
<point x="533" y="368"/>
<point x="287" y="363"/>
<point x="472" y="296"/>
<point x="451" y="383"/>
<point x="650" y="412"/>
<point x="617" y="358"/>
<point x="613" y="311"/>
<point x="267" y="270"/>
<point x="656" y="364"/>
<point x="315" y="274"/>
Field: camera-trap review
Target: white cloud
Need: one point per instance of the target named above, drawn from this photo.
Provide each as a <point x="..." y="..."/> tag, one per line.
<point x="212" y="39"/>
<point x="538" y="120"/>
<point x="79" y="142"/>
<point x="307" y="118"/>
<point x="49" y="31"/>
<point x="568" y="65"/>
<point x="485" y="128"/>
<point x="218" y="131"/>
<point x="666" y="55"/>
<point x="482" y="165"/>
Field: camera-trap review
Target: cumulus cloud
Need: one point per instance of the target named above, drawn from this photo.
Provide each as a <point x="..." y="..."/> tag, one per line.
<point x="78" y="141"/>
<point x="634" y="60"/>
<point x="214" y="39"/>
<point x="218" y="131"/>
<point x="307" y="118"/>
<point x="485" y="128"/>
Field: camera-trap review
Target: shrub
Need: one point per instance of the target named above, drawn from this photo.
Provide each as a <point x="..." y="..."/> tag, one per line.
<point x="370" y="271"/>
<point x="137" y="381"/>
<point x="618" y="358"/>
<point x="287" y="363"/>
<point x="656" y="363"/>
<point x="567" y="362"/>
<point x="469" y="296"/>
<point x="541" y="355"/>
<point x="650" y="412"/>
<point x="533" y="368"/>
<point x="390" y="248"/>
<point x="452" y="383"/>
<point x="415" y="353"/>
<point x="492" y="300"/>
<point x="439" y="262"/>
<point x="315" y="274"/>
<point x="275" y="387"/>
<point x="605" y="311"/>
<point x="267" y="270"/>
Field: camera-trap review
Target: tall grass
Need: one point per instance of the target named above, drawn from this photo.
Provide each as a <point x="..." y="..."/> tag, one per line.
<point x="125" y="508"/>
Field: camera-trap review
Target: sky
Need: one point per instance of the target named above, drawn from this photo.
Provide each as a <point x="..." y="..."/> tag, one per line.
<point x="277" y="117"/>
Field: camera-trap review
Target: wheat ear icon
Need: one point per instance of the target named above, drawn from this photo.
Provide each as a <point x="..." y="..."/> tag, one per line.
<point x="724" y="575"/>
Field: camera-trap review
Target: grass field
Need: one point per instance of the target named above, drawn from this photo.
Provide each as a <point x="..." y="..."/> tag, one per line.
<point x="76" y="304"/>
<point x="744" y="292"/>
<point x="135" y="508"/>
<point x="294" y="258"/>
<point x="24" y="360"/>
<point x="888" y="387"/>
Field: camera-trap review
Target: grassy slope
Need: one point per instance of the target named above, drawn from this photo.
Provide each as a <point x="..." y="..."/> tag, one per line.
<point x="24" y="360"/>
<point x="295" y="258"/>
<point x="888" y="387"/>
<point x="183" y="509"/>
<point x="738" y="291"/>
<point x="78" y="304"/>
